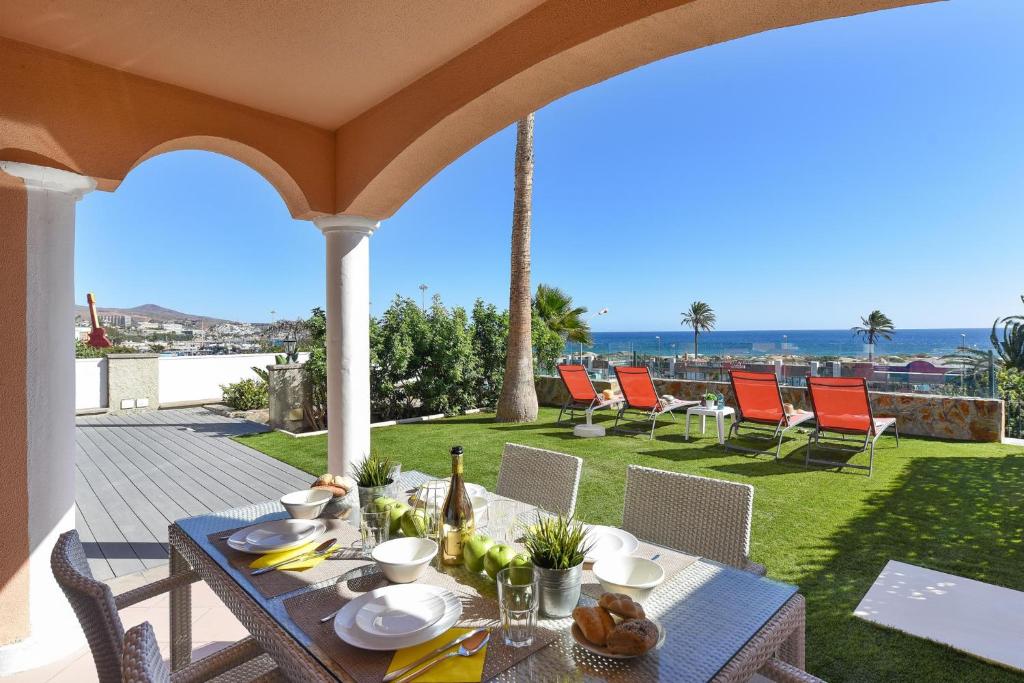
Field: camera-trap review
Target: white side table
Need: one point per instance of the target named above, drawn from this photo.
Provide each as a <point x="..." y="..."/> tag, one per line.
<point x="718" y="413"/>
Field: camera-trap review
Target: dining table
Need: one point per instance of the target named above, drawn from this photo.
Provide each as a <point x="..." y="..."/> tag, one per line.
<point x="721" y="623"/>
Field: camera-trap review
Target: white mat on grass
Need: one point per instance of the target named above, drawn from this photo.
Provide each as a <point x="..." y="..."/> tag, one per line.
<point x="977" y="618"/>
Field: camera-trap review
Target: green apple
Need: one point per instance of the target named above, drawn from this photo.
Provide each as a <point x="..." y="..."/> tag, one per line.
<point x="497" y="558"/>
<point x="414" y="522"/>
<point x="383" y="503"/>
<point x="474" y="550"/>
<point x="520" y="569"/>
<point x="396" y="512"/>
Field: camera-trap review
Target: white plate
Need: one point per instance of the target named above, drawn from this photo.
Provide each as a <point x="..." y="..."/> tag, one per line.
<point x="346" y="628"/>
<point x="303" y="531"/>
<point x="577" y="635"/>
<point x="608" y="541"/>
<point x="400" y="610"/>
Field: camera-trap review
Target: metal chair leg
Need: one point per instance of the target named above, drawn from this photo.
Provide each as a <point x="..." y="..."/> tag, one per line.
<point x="654" y="423"/>
<point x="896" y="429"/>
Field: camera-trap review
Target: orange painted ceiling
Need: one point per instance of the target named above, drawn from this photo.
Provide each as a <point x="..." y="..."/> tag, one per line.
<point x="322" y="62"/>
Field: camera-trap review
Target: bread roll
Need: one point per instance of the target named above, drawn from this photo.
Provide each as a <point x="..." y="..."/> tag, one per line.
<point x="621" y="605"/>
<point x="595" y="623"/>
<point x="633" y="637"/>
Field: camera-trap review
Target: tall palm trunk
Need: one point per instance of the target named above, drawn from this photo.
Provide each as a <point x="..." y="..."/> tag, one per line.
<point x="518" y="400"/>
<point x="695" y="333"/>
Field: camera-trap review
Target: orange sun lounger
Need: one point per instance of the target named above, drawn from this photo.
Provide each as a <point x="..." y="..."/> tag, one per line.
<point x="582" y="394"/>
<point x="759" y="402"/>
<point x="842" y="406"/>
<point x="640" y="395"/>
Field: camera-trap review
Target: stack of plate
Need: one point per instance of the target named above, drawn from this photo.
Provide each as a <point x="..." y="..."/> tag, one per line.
<point x="397" y="616"/>
<point x="272" y="537"/>
<point x="607" y="541"/>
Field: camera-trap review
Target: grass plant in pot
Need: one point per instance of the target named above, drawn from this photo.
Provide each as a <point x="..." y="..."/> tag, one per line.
<point x="373" y="477"/>
<point x="710" y="400"/>
<point x="557" y="547"/>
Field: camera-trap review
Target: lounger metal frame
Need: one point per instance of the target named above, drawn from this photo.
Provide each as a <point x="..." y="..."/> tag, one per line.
<point x="572" y="405"/>
<point x="779" y="428"/>
<point x="870" y="437"/>
<point x="647" y="414"/>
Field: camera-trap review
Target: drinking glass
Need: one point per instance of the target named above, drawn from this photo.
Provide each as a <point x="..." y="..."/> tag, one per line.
<point x="374" y="527"/>
<point x="518" y="604"/>
<point x="501" y="519"/>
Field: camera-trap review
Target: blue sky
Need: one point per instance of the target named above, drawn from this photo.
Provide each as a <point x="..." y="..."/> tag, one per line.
<point x="793" y="180"/>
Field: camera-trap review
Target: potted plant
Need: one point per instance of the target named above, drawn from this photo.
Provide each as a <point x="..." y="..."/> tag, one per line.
<point x="557" y="547"/>
<point x="373" y="477"/>
<point x="710" y="400"/>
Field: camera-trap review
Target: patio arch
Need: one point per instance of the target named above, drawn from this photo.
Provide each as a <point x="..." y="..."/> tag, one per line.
<point x="267" y="167"/>
<point x="386" y="154"/>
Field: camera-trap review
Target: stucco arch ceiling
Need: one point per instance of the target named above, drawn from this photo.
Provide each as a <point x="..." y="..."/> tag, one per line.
<point x="350" y="106"/>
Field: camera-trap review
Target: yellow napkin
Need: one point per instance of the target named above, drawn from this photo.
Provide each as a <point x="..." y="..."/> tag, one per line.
<point x="452" y="670"/>
<point x="271" y="558"/>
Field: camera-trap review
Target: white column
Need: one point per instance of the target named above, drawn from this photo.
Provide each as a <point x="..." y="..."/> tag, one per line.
<point x="348" y="339"/>
<point x="50" y="393"/>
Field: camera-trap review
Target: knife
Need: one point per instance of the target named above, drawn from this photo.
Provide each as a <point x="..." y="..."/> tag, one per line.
<point x="430" y="655"/>
<point x="321" y="549"/>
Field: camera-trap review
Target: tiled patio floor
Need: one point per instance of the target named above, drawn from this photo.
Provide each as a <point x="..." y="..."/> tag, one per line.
<point x="137" y="473"/>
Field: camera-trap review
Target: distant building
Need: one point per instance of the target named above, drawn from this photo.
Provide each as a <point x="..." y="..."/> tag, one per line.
<point x="174" y="327"/>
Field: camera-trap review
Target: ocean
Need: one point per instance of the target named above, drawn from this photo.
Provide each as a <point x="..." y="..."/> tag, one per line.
<point x="789" y="342"/>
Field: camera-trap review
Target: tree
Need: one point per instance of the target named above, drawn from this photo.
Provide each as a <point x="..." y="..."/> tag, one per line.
<point x="548" y="345"/>
<point x="314" y="370"/>
<point x="876" y="326"/>
<point x="701" y="318"/>
<point x="555" y="308"/>
<point x="393" y="360"/>
<point x="490" y="345"/>
<point x="450" y="374"/>
<point x="518" y="399"/>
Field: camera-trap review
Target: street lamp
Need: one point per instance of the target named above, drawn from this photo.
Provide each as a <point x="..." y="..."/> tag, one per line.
<point x="423" y="297"/>
<point x="291" y="349"/>
<point x="591" y="317"/>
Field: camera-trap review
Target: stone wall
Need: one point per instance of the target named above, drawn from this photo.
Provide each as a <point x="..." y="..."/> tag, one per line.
<point x="944" y="417"/>
<point x="287" y="393"/>
<point x="133" y="381"/>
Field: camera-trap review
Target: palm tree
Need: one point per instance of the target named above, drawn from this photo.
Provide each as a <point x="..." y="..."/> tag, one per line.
<point x="518" y="399"/>
<point x="876" y="326"/>
<point x="555" y="308"/>
<point x="701" y="318"/>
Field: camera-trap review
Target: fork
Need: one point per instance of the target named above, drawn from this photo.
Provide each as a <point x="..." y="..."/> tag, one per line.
<point x="463" y="651"/>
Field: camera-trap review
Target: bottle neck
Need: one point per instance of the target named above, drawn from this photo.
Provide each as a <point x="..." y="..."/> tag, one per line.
<point x="457" y="465"/>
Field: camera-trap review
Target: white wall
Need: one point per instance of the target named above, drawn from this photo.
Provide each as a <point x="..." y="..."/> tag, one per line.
<point x="198" y="378"/>
<point x="90" y="383"/>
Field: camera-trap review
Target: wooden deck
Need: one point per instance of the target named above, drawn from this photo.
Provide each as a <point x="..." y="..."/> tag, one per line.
<point x="137" y="473"/>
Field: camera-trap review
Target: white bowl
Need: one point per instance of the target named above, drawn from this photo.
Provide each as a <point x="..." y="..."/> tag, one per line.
<point x="634" y="576"/>
<point x="306" y="504"/>
<point x="403" y="560"/>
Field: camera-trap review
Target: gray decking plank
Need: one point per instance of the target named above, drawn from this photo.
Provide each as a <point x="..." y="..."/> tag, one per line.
<point x="274" y="471"/>
<point x="98" y="564"/>
<point x="182" y="482"/>
<point x="127" y="509"/>
<point x="145" y="504"/>
<point x="116" y="549"/>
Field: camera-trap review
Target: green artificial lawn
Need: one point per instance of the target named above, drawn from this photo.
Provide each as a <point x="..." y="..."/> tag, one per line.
<point x="954" y="507"/>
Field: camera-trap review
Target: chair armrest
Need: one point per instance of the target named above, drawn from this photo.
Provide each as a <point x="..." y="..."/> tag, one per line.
<point x="245" y="652"/>
<point x="755" y="568"/>
<point x="781" y="672"/>
<point x="150" y="590"/>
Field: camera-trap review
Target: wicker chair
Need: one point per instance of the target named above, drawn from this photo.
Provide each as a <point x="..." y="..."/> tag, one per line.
<point x="142" y="662"/>
<point x="96" y="607"/>
<point x="543" y="478"/>
<point x="706" y="517"/>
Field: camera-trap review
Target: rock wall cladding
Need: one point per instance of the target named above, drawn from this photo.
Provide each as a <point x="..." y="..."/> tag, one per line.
<point x="943" y="417"/>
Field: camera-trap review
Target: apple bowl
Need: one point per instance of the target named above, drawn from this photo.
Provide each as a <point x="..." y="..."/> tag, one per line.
<point x="403" y="560"/>
<point x="633" y="576"/>
<point x="307" y="504"/>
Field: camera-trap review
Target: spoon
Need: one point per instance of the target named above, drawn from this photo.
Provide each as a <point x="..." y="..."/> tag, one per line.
<point x="467" y="649"/>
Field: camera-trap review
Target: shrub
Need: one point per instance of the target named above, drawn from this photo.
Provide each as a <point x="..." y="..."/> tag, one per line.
<point x="247" y="394"/>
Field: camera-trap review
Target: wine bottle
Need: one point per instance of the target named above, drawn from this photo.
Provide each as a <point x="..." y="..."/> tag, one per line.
<point x="456" y="514"/>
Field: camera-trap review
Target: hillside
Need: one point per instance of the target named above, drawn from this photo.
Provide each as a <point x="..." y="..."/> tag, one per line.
<point x="149" y="312"/>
